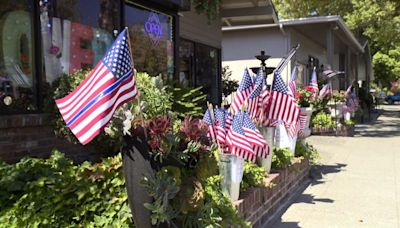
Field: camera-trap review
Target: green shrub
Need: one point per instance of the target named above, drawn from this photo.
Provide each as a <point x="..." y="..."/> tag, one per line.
<point x="349" y="122"/>
<point x="55" y="193"/>
<point x="307" y="151"/>
<point x="323" y="120"/>
<point x="281" y="158"/>
<point x="192" y="197"/>
<point x="253" y="176"/>
<point x="187" y="101"/>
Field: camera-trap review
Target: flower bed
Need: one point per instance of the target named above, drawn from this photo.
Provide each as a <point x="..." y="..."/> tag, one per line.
<point x="257" y="205"/>
<point x="331" y="131"/>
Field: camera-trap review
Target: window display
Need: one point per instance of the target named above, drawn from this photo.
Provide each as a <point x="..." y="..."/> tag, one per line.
<point x="76" y="34"/>
<point x="208" y="71"/>
<point x="16" y="75"/>
<point x="151" y="35"/>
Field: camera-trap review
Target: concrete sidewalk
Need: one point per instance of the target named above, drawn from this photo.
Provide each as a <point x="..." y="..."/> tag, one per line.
<point x="358" y="182"/>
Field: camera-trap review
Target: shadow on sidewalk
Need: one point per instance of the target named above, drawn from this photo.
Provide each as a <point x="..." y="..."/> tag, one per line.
<point x="316" y="174"/>
<point x="388" y="125"/>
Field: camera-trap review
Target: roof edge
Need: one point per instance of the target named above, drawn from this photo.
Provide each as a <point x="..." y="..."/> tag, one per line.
<point x="304" y="21"/>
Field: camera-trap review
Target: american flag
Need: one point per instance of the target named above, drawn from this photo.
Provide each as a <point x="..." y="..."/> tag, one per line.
<point x="242" y="93"/>
<point x="228" y="119"/>
<point x="325" y="91"/>
<point x="302" y="123"/>
<point x="255" y="95"/>
<point x="348" y="90"/>
<point x="254" y="136"/>
<point x="208" y="119"/>
<point x="293" y="127"/>
<point x="292" y="83"/>
<point x="220" y="125"/>
<point x="314" y="83"/>
<point x="351" y="99"/>
<point x="237" y="140"/>
<point x="282" y="106"/>
<point x="89" y="108"/>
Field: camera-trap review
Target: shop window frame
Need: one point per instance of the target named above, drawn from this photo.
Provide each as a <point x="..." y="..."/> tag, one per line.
<point x="161" y="9"/>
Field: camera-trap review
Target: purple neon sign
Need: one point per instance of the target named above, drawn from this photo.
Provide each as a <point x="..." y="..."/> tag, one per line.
<point x="153" y="28"/>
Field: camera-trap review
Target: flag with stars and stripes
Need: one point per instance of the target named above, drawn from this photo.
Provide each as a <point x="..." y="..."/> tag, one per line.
<point x="281" y="105"/>
<point x="351" y="99"/>
<point x="255" y="95"/>
<point x="326" y="90"/>
<point x="237" y="141"/>
<point x="209" y="120"/>
<point x="254" y="137"/>
<point x="220" y="123"/>
<point x="292" y="83"/>
<point x="242" y="93"/>
<point x="89" y="108"/>
<point x="314" y="83"/>
<point x="302" y="123"/>
<point x="293" y="128"/>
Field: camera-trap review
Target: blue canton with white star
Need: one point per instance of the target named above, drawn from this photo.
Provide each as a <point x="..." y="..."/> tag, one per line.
<point x="207" y="117"/>
<point x="237" y="124"/>
<point x="279" y="84"/>
<point x="247" y="123"/>
<point x="118" y="58"/>
<point x="220" y="117"/>
<point x="258" y="86"/>
<point x="246" y="81"/>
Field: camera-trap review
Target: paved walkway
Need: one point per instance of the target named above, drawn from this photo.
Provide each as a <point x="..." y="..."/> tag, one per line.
<point x="359" y="181"/>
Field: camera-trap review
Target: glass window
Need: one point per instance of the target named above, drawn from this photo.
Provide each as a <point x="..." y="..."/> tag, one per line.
<point x="300" y="79"/>
<point x="76" y="34"/>
<point x="151" y="36"/>
<point x="17" y="81"/>
<point x="208" y="71"/>
<point x="186" y="64"/>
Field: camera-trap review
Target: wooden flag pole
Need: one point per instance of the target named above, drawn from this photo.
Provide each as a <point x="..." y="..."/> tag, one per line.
<point x="138" y="96"/>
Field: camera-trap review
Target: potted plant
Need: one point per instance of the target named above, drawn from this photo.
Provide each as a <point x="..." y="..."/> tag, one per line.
<point x="337" y="103"/>
<point x="269" y="135"/>
<point x="322" y="124"/>
<point x="305" y="98"/>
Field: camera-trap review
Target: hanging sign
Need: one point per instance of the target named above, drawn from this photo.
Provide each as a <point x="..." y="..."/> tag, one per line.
<point x="153" y="28"/>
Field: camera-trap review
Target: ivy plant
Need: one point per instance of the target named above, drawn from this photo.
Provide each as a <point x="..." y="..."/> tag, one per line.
<point x="56" y="193"/>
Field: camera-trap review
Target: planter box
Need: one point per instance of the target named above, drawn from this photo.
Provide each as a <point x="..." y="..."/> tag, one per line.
<point x="330" y="131"/>
<point x="257" y="205"/>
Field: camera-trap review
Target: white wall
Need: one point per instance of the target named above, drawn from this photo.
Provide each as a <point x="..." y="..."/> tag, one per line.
<point x="307" y="48"/>
<point x="362" y="74"/>
<point x="239" y="48"/>
<point x="195" y="27"/>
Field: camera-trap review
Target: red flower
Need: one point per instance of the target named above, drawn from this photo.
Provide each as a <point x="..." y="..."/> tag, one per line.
<point x="299" y="95"/>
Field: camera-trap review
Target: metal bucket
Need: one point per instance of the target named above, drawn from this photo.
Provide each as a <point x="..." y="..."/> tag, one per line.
<point x="231" y="170"/>
<point x="269" y="136"/>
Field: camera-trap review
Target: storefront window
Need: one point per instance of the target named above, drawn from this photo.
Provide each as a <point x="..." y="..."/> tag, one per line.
<point x="186" y="64"/>
<point x="151" y="36"/>
<point x="207" y="71"/>
<point x="17" y="81"/>
<point x="76" y="34"/>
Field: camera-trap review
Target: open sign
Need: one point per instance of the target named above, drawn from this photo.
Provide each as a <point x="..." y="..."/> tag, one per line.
<point x="153" y="28"/>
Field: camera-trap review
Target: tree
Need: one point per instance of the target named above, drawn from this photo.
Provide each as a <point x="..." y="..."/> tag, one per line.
<point x="379" y="21"/>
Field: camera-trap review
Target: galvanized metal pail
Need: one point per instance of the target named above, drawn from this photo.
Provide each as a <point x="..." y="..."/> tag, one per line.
<point x="268" y="133"/>
<point x="231" y="170"/>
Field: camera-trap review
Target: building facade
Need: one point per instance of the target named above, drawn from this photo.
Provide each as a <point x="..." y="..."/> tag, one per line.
<point x="325" y="43"/>
<point x="40" y="40"/>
